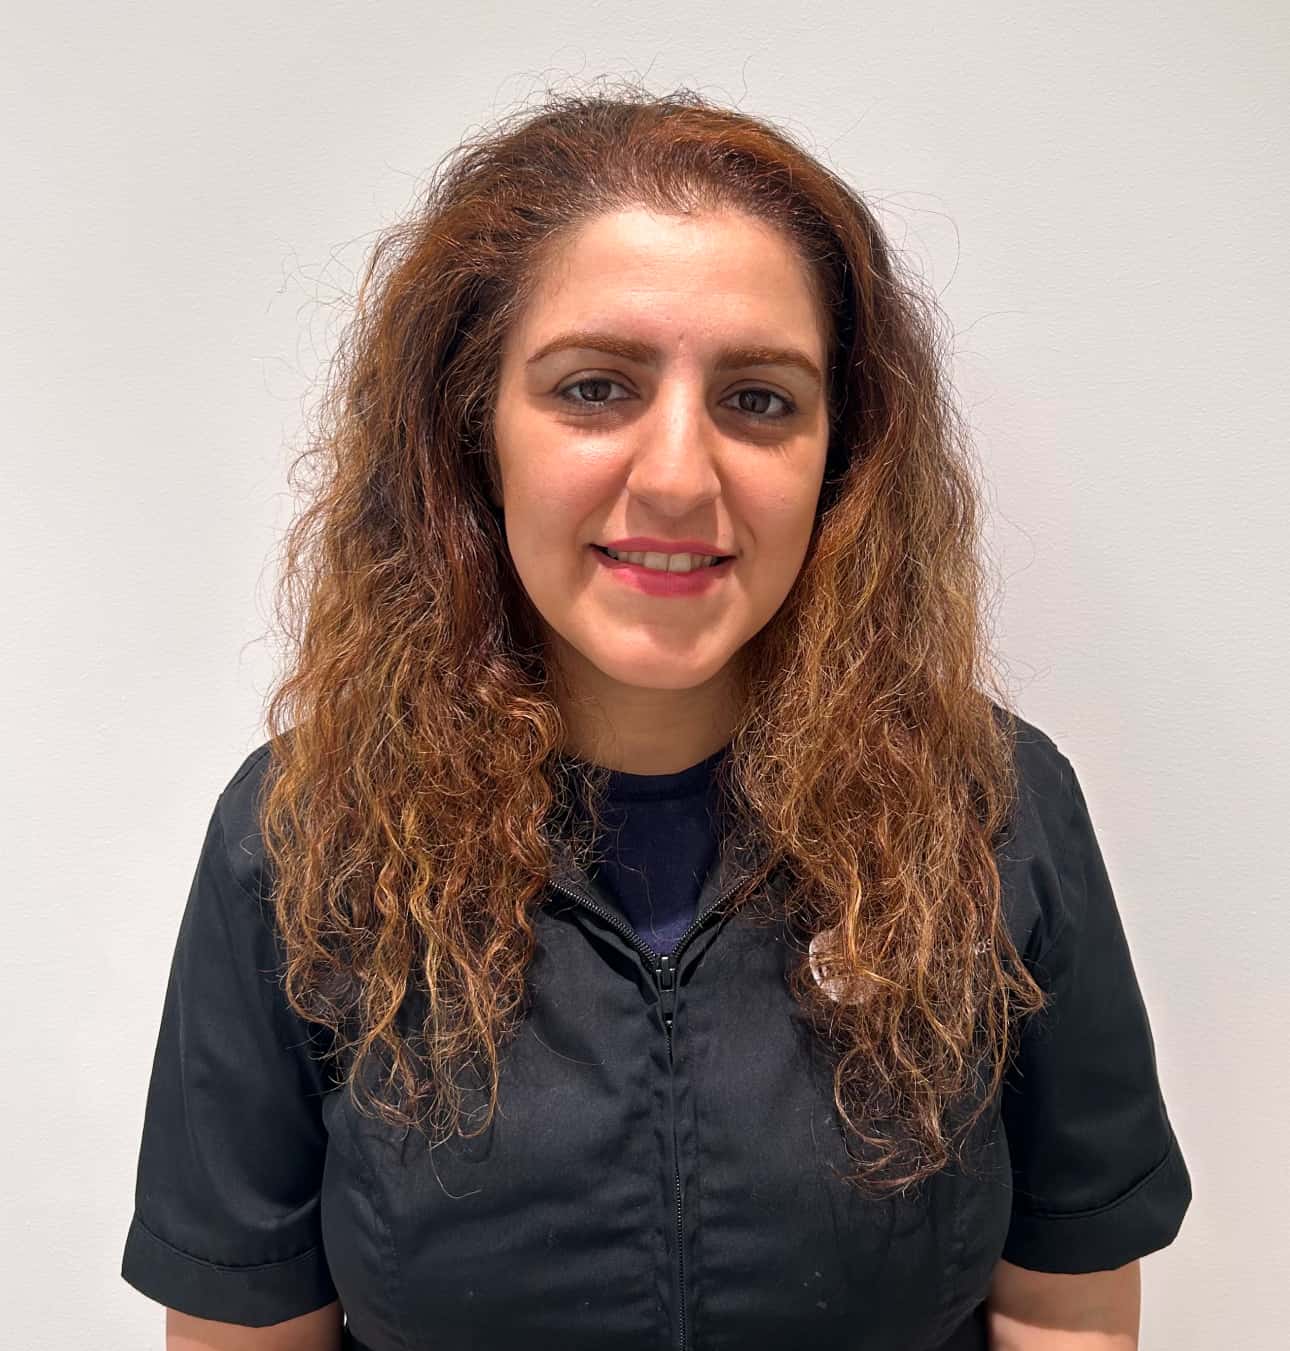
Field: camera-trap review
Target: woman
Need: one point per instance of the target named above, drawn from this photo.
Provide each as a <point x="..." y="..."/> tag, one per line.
<point x="671" y="952"/>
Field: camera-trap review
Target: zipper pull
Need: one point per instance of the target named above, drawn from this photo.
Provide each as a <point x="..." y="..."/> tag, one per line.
<point x="665" y="975"/>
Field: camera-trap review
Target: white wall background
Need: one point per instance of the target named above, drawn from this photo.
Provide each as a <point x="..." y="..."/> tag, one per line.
<point x="1099" y="193"/>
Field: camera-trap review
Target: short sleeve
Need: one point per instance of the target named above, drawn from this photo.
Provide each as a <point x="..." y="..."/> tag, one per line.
<point x="1099" y="1178"/>
<point x="226" y="1202"/>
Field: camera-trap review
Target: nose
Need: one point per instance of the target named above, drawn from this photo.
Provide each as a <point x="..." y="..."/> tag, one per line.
<point x="674" y="460"/>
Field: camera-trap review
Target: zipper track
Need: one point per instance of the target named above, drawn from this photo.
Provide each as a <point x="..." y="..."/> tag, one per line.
<point x="664" y="967"/>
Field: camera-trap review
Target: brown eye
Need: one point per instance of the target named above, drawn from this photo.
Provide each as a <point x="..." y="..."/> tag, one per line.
<point x="587" y="380"/>
<point x="597" y="404"/>
<point x="789" y="406"/>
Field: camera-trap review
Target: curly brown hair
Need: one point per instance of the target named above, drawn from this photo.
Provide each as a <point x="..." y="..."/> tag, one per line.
<point x="417" y="775"/>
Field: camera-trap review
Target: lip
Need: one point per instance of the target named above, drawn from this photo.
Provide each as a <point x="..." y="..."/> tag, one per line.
<point x="654" y="583"/>
<point x="640" y="544"/>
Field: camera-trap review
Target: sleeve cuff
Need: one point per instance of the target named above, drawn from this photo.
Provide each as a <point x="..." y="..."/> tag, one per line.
<point x="253" y="1296"/>
<point x="1145" y="1218"/>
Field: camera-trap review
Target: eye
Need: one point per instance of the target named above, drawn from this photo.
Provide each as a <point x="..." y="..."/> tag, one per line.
<point x="564" y="395"/>
<point x="789" y="406"/>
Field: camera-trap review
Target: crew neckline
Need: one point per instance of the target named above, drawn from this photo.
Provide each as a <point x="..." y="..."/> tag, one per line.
<point x="624" y="786"/>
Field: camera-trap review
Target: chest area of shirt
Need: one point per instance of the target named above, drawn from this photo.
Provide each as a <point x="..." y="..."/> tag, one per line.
<point x="658" y="1187"/>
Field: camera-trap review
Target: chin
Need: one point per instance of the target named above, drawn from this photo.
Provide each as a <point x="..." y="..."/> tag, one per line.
<point x="659" y="675"/>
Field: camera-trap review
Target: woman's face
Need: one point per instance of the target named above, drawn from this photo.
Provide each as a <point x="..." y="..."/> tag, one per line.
<point x="689" y="407"/>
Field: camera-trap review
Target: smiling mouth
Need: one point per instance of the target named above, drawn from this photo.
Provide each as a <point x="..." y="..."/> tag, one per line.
<point x="717" y="558"/>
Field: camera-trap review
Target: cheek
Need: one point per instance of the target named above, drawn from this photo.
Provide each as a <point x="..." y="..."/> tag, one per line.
<point x="559" y="494"/>
<point x="778" y="514"/>
<point x="549" y="519"/>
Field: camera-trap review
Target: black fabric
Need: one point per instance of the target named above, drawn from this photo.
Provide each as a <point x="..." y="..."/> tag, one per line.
<point x="226" y="1201"/>
<point x="639" y="1186"/>
<point x="1079" y="1079"/>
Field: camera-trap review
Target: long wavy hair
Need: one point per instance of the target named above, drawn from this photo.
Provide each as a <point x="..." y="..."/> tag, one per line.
<point x="418" y="785"/>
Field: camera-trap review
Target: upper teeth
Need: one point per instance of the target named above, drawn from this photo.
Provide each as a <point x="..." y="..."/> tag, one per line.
<point x="667" y="562"/>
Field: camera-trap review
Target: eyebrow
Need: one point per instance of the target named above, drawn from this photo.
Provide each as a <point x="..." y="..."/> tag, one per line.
<point x="646" y="354"/>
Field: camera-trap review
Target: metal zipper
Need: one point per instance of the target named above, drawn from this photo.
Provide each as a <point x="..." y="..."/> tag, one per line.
<point x="664" y="966"/>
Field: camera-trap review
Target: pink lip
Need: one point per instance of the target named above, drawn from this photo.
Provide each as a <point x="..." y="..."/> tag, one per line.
<point x="654" y="583"/>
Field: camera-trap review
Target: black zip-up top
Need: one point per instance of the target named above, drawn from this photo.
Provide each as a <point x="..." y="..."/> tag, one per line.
<point x="663" y="1170"/>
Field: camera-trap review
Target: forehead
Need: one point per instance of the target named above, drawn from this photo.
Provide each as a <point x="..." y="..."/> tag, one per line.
<point x="665" y="278"/>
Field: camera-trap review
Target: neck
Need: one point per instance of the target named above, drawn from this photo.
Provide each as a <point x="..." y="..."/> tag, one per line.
<point x="638" y="730"/>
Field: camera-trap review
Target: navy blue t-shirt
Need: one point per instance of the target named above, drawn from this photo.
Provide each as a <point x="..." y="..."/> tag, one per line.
<point x="657" y="843"/>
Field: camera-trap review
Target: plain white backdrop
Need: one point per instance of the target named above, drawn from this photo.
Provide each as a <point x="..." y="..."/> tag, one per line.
<point x="1099" y="195"/>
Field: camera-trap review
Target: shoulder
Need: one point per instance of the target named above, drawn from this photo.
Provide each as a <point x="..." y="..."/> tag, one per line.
<point x="236" y="819"/>
<point x="1043" y="773"/>
<point x="1033" y="851"/>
